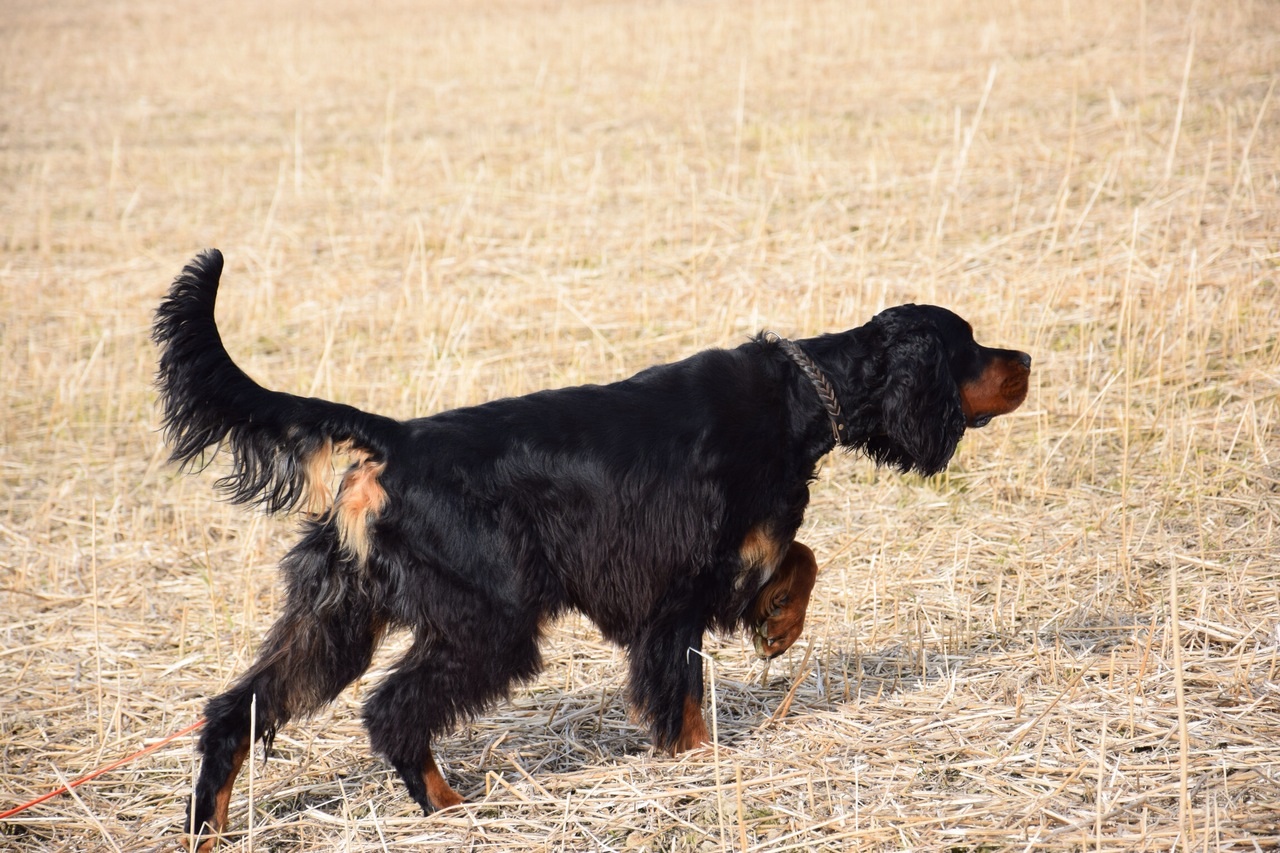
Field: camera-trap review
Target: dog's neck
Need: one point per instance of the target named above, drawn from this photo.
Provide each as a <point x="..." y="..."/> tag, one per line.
<point x="821" y="385"/>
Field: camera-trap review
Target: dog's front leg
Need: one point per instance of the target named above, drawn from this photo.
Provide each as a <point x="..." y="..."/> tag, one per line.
<point x="693" y="728"/>
<point x="777" y="613"/>
<point x="666" y="679"/>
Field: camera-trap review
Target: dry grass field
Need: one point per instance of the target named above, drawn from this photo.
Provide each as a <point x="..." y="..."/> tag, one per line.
<point x="1069" y="641"/>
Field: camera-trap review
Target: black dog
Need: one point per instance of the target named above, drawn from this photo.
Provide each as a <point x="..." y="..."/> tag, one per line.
<point x="661" y="507"/>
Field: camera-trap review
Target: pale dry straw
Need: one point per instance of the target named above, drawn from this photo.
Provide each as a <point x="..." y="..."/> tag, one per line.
<point x="1067" y="642"/>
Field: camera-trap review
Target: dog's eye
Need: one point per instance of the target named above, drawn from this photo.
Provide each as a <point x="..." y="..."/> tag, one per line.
<point x="981" y="420"/>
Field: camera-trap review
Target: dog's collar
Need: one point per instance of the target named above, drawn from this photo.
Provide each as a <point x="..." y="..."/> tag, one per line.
<point x="819" y="380"/>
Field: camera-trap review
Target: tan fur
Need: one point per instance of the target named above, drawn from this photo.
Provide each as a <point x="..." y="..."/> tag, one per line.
<point x="999" y="390"/>
<point x="760" y="553"/>
<point x="779" y="608"/>
<point x="222" y="800"/>
<point x="360" y="499"/>
<point x="693" y="731"/>
<point x="360" y="495"/>
<point x="319" y="467"/>
<point x="438" y="790"/>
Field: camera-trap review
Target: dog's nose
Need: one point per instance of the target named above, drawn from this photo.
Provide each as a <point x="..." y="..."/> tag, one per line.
<point x="1024" y="360"/>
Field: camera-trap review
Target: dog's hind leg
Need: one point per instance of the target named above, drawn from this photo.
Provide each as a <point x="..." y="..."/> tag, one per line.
<point x="445" y="677"/>
<point x="311" y="653"/>
<point x="425" y="783"/>
<point x="421" y="699"/>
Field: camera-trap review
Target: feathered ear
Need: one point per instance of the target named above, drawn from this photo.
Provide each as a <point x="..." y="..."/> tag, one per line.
<point x="921" y="410"/>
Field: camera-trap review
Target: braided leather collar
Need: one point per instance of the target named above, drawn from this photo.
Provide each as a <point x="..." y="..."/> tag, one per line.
<point x="821" y="384"/>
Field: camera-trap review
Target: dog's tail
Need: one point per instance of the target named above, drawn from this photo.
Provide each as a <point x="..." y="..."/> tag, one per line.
<point x="281" y="445"/>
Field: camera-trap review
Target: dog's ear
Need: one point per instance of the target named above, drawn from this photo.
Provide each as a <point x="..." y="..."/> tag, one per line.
<point x="921" y="409"/>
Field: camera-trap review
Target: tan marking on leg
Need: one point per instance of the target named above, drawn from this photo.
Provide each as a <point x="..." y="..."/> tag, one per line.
<point x="760" y="554"/>
<point x="693" y="730"/>
<point x="438" y="790"/>
<point x="778" y="612"/>
<point x="222" y="800"/>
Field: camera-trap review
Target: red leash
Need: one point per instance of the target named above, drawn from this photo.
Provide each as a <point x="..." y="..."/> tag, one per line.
<point x="95" y="774"/>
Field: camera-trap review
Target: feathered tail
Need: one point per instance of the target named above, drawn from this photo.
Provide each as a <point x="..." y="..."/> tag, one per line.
<point x="280" y="444"/>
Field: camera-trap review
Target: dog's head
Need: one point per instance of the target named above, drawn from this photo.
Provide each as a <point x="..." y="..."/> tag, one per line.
<point x="938" y="382"/>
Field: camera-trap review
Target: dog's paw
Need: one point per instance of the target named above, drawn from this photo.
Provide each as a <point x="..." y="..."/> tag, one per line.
<point x="776" y="634"/>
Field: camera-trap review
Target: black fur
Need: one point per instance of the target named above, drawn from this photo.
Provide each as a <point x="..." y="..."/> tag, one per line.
<point x="207" y="400"/>
<point x="628" y="502"/>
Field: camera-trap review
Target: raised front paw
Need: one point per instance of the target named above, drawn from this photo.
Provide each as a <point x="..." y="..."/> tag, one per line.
<point x="776" y="634"/>
<point x="780" y="606"/>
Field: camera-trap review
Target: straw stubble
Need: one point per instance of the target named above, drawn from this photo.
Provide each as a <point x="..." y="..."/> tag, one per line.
<point x="426" y="205"/>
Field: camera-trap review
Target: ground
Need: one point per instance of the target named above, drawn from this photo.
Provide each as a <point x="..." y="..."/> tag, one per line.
<point x="1068" y="641"/>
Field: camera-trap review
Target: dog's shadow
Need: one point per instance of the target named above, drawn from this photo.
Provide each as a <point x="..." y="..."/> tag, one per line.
<point x="572" y="722"/>
<point x="544" y="731"/>
<point x="565" y="731"/>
